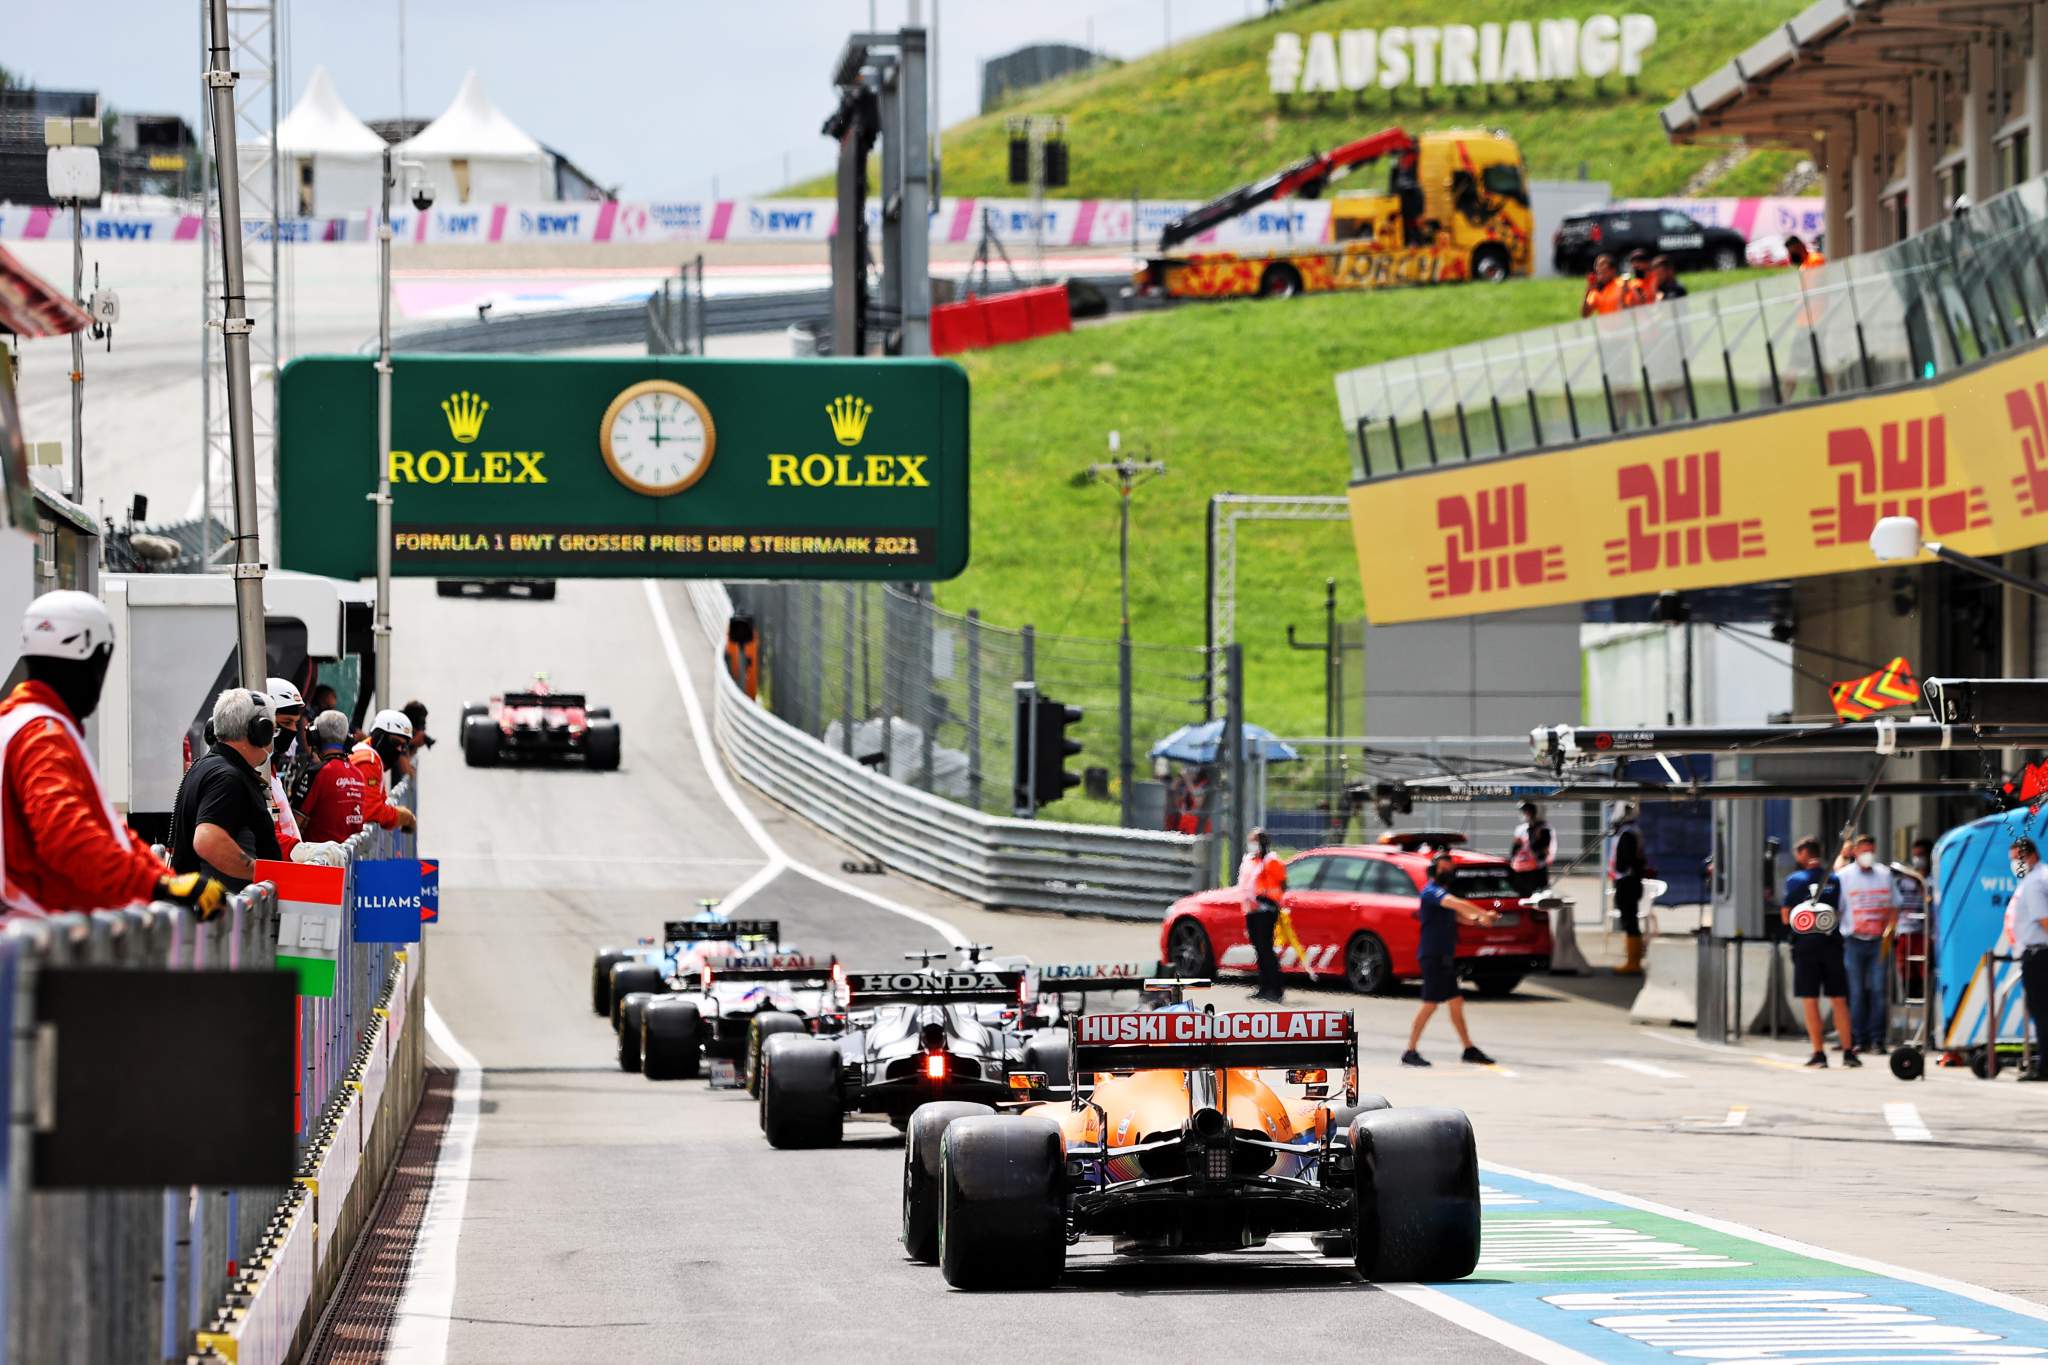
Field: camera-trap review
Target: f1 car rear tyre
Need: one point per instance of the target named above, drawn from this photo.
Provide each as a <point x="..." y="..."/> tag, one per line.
<point x="445" y="588"/>
<point x="1908" y="1062"/>
<point x="1047" y="1052"/>
<point x="1343" y="1242"/>
<point x="1188" y="950"/>
<point x="1367" y="967"/>
<point x="473" y="708"/>
<point x="921" y="1145"/>
<point x="1496" y="985"/>
<point x="800" y="1104"/>
<point x="628" y="977"/>
<point x="1002" y="1203"/>
<point x="760" y="1029"/>
<point x="1416" y="1209"/>
<point x="601" y="980"/>
<point x="669" y="1048"/>
<point x="597" y="713"/>
<point x="544" y="591"/>
<point x="480" y="742"/>
<point x="632" y="1008"/>
<point x="601" y="742"/>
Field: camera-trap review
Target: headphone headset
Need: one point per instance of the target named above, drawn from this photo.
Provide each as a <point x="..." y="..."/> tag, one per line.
<point x="262" y="730"/>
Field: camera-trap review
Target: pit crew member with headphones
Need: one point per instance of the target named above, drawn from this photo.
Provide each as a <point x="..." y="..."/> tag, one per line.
<point x="221" y="823"/>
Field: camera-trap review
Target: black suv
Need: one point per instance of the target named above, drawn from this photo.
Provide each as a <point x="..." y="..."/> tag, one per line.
<point x="1661" y="232"/>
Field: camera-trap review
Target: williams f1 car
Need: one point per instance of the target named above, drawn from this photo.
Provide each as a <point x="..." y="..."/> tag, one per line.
<point x="655" y="967"/>
<point x="540" y="725"/>
<point x="1177" y="1139"/>
<point x="724" y="1014"/>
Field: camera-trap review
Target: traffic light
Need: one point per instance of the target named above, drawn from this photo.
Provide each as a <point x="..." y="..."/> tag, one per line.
<point x="1055" y="153"/>
<point x="1041" y="750"/>
<point x="1020" y="157"/>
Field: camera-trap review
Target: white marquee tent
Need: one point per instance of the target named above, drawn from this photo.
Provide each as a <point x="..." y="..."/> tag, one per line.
<point x="474" y="154"/>
<point x="331" y="158"/>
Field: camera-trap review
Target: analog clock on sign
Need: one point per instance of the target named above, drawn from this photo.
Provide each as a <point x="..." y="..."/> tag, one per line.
<point x="658" y="438"/>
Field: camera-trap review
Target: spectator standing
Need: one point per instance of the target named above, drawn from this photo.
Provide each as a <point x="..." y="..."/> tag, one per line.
<point x="221" y="823"/>
<point x="1627" y="865"/>
<point x="1910" y="891"/>
<point x="1603" y="288"/>
<point x="1636" y="289"/>
<point x="1664" y="284"/>
<point x="1869" y="906"/>
<point x="1437" y="952"/>
<point x="63" y="846"/>
<point x="2026" y="923"/>
<point x="333" y="808"/>
<point x="1817" y="967"/>
<point x="1529" y="854"/>
<point x="390" y="737"/>
<point x="1261" y="881"/>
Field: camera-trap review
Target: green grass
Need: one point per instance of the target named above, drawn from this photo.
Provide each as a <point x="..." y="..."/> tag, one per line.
<point x="1232" y="397"/>
<point x="1199" y="118"/>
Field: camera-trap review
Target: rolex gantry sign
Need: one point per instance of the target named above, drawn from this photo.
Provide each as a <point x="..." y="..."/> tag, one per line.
<point x="505" y="466"/>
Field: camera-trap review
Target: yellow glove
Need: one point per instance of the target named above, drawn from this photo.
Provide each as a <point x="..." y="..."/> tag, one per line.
<point x="200" y="894"/>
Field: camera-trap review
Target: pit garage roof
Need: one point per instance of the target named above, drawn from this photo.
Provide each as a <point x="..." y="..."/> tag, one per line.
<point x="1831" y="59"/>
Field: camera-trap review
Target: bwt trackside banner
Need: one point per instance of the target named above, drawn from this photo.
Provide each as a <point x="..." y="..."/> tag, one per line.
<point x="1168" y="1027"/>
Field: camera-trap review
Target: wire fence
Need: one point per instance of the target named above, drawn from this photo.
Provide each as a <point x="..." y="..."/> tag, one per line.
<point x="928" y="697"/>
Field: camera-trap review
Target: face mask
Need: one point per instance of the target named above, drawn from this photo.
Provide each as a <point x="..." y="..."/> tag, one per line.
<point x="283" y="741"/>
<point x="2020" y="867"/>
<point x="1866" y="860"/>
<point x="1919" y="862"/>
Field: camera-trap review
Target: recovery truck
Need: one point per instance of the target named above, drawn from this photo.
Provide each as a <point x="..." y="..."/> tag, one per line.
<point x="1456" y="208"/>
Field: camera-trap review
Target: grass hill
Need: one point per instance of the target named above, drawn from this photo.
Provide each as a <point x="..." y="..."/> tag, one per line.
<point x="1199" y="117"/>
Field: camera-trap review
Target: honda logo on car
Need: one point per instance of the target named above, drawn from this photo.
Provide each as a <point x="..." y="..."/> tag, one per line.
<point x="1265" y="1026"/>
<point x="934" y="982"/>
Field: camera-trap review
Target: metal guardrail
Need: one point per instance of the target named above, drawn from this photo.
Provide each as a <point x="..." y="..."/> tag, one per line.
<point x="617" y="324"/>
<point x="99" y="1277"/>
<point x="991" y="860"/>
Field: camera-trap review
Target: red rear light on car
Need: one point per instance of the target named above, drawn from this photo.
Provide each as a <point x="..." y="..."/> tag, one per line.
<point x="935" y="1066"/>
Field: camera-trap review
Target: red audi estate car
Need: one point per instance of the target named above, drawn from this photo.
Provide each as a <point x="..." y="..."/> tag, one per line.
<point x="1353" y="909"/>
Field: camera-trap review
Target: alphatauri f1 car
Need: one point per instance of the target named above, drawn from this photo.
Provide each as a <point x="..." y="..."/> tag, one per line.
<point x="539" y="725"/>
<point x="651" y="968"/>
<point x="1176" y="1139"/>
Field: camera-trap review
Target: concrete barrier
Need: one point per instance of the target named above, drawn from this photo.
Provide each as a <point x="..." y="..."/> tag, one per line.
<point x="1671" y="977"/>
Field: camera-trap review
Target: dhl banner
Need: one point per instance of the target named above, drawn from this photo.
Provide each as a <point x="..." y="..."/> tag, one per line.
<point x="1781" y="494"/>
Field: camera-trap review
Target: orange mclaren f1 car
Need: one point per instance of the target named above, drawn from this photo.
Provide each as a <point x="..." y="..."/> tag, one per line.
<point x="1175" y="1138"/>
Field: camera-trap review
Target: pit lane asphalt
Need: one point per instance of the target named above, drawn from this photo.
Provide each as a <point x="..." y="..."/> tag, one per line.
<point x="609" y="1218"/>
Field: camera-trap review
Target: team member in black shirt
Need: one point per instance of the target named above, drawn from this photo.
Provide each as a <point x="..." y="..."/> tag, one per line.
<point x="222" y="821"/>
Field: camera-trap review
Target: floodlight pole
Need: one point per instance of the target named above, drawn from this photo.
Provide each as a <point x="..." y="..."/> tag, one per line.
<point x="234" y="329"/>
<point x="380" y="630"/>
<point x="1128" y="474"/>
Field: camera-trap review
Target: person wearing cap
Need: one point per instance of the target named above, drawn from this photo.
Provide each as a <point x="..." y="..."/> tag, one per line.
<point x="62" y="844"/>
<point x="1636" y="287"/>
<point x="390" y="737"/>
<point x="288" y="709"/>
<point x="222" y="823"/>
<point x="1261" y="881"/>
<point x="1437" y="954"/>
<point x="333" y="808"/>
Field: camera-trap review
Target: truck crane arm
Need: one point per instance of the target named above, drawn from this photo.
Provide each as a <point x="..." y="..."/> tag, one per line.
<point x="1305" y="177"/>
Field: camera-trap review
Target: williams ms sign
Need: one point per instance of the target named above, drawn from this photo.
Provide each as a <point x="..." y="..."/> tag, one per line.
<point x="1518" y="52"/>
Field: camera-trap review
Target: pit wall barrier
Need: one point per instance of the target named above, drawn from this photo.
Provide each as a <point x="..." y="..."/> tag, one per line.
<point x="112" y="1276"/>
<point x="977" y="324"/>
<point x="992" y="861"/>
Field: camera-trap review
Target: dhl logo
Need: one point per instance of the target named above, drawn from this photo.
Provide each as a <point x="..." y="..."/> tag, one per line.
<point x="1486" y="545"/>
<point x="1674" y="518"/>
<point x="2028" y="410"/>
<point x="1904" y="473"/>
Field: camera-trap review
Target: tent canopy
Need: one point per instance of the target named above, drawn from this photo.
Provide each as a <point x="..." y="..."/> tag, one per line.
<point x="321" y="125"/>
<point x="472" y="126"/>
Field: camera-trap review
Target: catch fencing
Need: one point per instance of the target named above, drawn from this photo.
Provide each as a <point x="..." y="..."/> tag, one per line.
<point x="111" y="1276"/>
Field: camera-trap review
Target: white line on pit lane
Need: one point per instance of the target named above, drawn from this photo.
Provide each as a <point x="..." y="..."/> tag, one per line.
<point x="1906" y="1123"/>
<point x="1644" y="1068"/>
<point x="1737" y="1114"/>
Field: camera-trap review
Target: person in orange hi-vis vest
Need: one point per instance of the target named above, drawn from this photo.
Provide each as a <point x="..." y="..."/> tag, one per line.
<point x="1262" y="880"/>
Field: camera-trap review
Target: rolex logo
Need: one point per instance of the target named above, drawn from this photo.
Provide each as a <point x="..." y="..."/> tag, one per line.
<point x="465" y="412"/>
<point x="849" y="418"/>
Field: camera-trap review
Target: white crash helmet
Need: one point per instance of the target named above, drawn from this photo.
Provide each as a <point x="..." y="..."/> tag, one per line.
<point x="391" y="723"/>
<point x="66" y="625"/>
<point x="283" y="696"/>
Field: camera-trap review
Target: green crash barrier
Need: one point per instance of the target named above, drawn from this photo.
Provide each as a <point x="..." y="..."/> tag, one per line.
<point x="682" y="467"/>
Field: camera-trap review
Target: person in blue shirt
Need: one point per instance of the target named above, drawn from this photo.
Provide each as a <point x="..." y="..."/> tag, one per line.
<point x="1437" y="953"/>
<point x="1818" y="965"/>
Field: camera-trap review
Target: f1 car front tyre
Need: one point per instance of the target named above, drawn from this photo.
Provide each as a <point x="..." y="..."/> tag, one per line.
<point x="627" y="977"/>
<point x="631" y="1010"/>
<point x="669" y="1047"/>
<point x="601" y="979"/>
<point x="800" y="1104"/>
<point x="1416" y="1210"/>
<point x="1047" y="1052"/>
<point x="921" y="1146"/>
<point x="480" y="742"/>
<point x="601" y="743"/>
<point x="760" y="1029"/>
<point x="1002" y="1203"/>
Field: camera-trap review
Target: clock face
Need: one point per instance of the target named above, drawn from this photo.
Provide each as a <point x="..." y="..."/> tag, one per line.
<point x="658" y="438"/>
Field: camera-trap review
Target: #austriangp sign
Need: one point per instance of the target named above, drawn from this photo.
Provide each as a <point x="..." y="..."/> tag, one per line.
<point x="681" y="467"/>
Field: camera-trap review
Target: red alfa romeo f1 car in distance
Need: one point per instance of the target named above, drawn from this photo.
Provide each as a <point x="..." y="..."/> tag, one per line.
<point x="541" y="725"/>
<point x="1176" y="1139"/>
<point x="1353" y="910"/>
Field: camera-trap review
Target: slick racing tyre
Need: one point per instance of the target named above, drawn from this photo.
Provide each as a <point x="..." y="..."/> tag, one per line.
<point x="601" y="979"/>
<point x="760" y="1029"/>
<point x="800" y="1104"/>
<point x="480" y="742"/>
<point x="1416" y="1205"/>
<point x="1047" y="1052"/>
<point x="1340" y="1242"/>
<point x="1002" y="1203"/>
<point x="631" y="1009"/>
<point x="669" y="1032"/>
<point x="628" y="977"/>
<point x="921" y="1146"/>
<point x="601" y="743"/>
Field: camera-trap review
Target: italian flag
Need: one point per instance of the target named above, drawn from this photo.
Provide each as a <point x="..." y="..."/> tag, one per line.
<point x="309" y="900"/>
